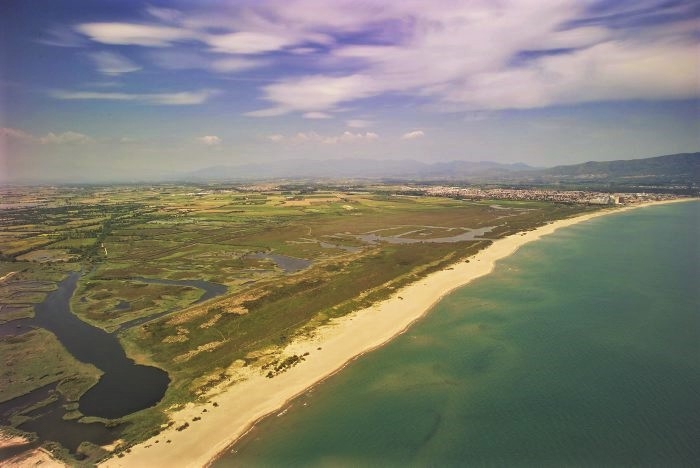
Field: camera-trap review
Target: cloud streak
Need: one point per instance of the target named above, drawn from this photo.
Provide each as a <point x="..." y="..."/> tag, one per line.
<point x="114" y="33"/>
<point x="65" y="138"/>
<point x="13" y="135"/>
<point x="315" y="138"/>
<point x="184" y="98"/>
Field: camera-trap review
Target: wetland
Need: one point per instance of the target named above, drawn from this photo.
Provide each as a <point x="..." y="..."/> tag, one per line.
<point x="182" y="286"/>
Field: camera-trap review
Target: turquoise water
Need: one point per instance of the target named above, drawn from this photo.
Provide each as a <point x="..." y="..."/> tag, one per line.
<point x="582" y="349"/>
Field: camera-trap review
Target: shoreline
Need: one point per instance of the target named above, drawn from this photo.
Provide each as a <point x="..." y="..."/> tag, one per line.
<point x="216" y="426"/>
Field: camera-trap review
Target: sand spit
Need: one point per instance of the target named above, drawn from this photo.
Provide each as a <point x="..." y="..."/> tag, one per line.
<point x="237" y="407"/>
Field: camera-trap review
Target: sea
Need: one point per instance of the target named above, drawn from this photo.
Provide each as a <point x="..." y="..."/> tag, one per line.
<point x="581" y="349"/>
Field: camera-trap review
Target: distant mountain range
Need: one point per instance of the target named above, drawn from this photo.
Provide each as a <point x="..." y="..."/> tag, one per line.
<point x="681" y="168"/>
<point x="676" y="169"/>
<point x="356" y="169"/>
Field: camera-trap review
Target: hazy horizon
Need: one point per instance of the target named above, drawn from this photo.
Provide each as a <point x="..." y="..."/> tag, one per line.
<point x="118" y="91"/>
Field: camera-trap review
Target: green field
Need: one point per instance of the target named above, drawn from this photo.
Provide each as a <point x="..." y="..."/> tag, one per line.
<point x="116" y="235"/>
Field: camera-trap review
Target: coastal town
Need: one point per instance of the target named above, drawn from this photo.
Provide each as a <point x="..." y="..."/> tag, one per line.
<point x="537" y="194"/>
<point x="465" y="192"/>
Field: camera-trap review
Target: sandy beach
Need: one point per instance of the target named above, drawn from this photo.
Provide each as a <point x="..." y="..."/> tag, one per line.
<point x="234" y="409"/>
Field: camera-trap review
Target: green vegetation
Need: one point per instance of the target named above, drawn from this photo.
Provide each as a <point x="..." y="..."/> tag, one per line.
<point x="35" y="359"/>
<point x="119" y="235"/>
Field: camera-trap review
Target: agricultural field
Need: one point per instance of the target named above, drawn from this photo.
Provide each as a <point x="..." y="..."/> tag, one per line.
<point x="198" y="279"/>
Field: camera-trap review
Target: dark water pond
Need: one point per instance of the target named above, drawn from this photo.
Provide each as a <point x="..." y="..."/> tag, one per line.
<point x="16" y="327"/>
<point x="285" y="262"/>
<point x="122" y="306"/>
<point x="48" y="422"/>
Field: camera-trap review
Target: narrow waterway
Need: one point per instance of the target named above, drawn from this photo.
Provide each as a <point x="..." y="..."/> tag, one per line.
<point x="211" y="290"/>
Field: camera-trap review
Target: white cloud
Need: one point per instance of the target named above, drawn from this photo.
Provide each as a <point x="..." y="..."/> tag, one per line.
<point x="210" y="140"/>
<point x="64" y="138"/>
<point x="275" y="137"/>
<point x="135" y="34"/>
<point x="345" y="137"/>
<point x="477" y="55"/>
<point x="413" y="135"/>
<point x="167" y="99"/>
<point x="302" y="50"/>
<point x="317" y="115"/>
<point x="51" y="138"/>
<point x="316" y="93"/>
<point x="248" y="42"/>
<point x="606" y="72"/>
<point x="13" y="134"/>
<point x="447" y="52"/>
<point x="111" y="63"/>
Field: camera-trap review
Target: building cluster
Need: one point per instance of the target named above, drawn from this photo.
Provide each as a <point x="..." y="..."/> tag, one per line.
<point x="559" y="196"/>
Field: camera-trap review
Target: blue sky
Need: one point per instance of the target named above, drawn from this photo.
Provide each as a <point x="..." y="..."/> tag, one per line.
<point x="123" y="90"/>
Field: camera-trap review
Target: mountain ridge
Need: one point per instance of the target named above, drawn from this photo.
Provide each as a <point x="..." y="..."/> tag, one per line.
<point x="680" y="168"/>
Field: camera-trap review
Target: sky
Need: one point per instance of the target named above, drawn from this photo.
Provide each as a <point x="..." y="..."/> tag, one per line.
<point x="123" y="90"/>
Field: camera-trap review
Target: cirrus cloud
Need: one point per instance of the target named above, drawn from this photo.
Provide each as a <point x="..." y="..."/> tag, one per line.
<point x="446" y="53"/>
<point x="468" y="56"/>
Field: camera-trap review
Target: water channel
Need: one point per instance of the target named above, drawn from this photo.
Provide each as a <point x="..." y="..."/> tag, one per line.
<point x="125" y="387"/>
<point x="211" y="290"/>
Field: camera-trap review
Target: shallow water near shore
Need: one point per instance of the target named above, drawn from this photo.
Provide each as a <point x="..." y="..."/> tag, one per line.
<point x="580" y="349"/>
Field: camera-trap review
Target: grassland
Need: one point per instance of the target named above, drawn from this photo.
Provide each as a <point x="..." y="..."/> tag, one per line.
<point x="36" y="359"/>
<point x="120" y="235"/>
